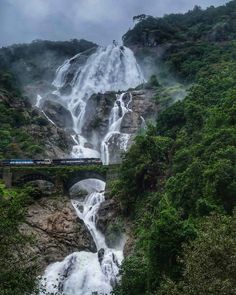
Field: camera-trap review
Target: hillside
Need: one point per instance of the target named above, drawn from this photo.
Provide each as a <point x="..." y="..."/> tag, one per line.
<point x="177" y="182"/>
<point x="39" y="59"/>
<point x="185" y="43"/>
<point x="25" y="132"/>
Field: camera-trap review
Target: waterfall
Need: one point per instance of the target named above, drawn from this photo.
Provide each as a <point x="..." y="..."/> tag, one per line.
<point x="111" y="68"/>
<point x="117" y="114"/>
<point x="85" y="273"/>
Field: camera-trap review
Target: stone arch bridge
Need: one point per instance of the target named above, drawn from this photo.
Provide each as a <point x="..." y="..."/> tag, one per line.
<point x="63" y="177"/>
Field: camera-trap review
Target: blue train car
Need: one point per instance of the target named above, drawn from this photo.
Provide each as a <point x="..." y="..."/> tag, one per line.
<point x="77" y="161"/>
<point x="20" y="162"/>
<point x="69" y="162"/>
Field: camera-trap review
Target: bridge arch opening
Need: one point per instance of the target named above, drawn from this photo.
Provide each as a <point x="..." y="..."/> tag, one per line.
<point x="79" y="176"/>
<point x="33" y="178"/>
<point x="86" y="186"/>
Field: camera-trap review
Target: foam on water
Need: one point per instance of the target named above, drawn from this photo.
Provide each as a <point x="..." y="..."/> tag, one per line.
<point x="83" y="273"/>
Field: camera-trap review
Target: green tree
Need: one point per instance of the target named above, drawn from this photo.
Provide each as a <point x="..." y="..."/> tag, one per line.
<point x="17" y="275"/>
<point x="209" y="261"/>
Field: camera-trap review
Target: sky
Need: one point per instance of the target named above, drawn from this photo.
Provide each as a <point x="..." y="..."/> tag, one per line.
<point x="100" y="21"/>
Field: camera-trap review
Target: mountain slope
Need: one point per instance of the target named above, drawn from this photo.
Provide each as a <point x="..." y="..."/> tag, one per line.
<point x="26" y="132"/>
<point x="177" y="183"/>
<point x="182" y="44"/>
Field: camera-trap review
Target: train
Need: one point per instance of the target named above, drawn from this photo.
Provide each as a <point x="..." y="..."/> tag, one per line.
<point x="51" y="162"/>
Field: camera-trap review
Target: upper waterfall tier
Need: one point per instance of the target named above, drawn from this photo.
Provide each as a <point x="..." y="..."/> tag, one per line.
<point x="111" y="68"/>
<point x="93" y="101"/>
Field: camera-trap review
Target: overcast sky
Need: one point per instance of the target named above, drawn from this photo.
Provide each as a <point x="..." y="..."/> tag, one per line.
<point x="100" y="21"/>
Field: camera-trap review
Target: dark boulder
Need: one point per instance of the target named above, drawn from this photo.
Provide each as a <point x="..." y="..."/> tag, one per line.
<point x="58" y="114"/>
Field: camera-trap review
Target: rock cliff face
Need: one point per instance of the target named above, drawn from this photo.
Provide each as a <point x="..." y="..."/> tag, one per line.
<point x="58" y="114"/>
<point x="99" y="108"/>
<point x="97" y="114"/>
<point x="108" y="222"/>
<point x="54" y="140"/>
<point x="143" y="108"/>
<point x="117" y="231"/>
<point x="56" y="230"/>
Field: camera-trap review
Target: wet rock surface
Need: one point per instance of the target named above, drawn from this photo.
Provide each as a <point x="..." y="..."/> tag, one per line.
<point x="101" y="253"/>
<point x="108" y="222"/>
<point x="58" y="114"/>
<point x="56" y="142"/>
<point x="97" y="112"/>
<point x="56" y="229"/>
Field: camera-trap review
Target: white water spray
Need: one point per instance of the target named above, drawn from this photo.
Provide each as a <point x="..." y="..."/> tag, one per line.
<point x="85" y="273"/>
<point x="112" y="68"/>
<point x="118" y="112"/>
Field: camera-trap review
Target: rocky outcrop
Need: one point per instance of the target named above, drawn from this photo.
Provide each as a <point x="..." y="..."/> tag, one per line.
<point x="97" y="112"/>
<point x="54" y="141"/>
<point x="56" y="230"/>
<point x="116" y="228"/>
<point x="96" y="120"/>
<point x="57" y="143"/>
<point x="109" y="222"/>
<point x="143" y="103"/>
<point x="58" y="114"/>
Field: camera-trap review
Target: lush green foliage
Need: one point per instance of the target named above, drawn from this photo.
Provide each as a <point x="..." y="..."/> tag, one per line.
<point x="209" y="261"/>
<point x="189" y="42"/>
<point x="15" y="117"/>
<point x="186" y="59"/>
<point x="17" y="275"/>
<point x="212" y="24"/>
<point x="181" y="170"/>
<point x="11" y="54"/>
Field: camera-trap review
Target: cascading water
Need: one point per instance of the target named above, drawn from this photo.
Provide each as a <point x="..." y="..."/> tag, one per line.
<point x="85" y="273"/>
<point x="112" y="68"/>
<point x="117" y="114"/>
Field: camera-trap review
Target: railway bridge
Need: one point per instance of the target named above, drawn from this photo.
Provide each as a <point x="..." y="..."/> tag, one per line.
<point x="63" y="177"/>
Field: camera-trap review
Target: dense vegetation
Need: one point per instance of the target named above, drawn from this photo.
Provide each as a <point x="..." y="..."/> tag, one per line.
<point x="179" y="171"/>
<point x="28" y="51"/>
<point x="212" y="24"/>
<point x="178" y="184"/>
<point x="190" y="41"/>
<point x="15" y="117"/>
<point x="17" y="274"/>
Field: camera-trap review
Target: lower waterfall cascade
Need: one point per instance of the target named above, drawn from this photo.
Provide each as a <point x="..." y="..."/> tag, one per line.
<point x="86" y="273"/>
